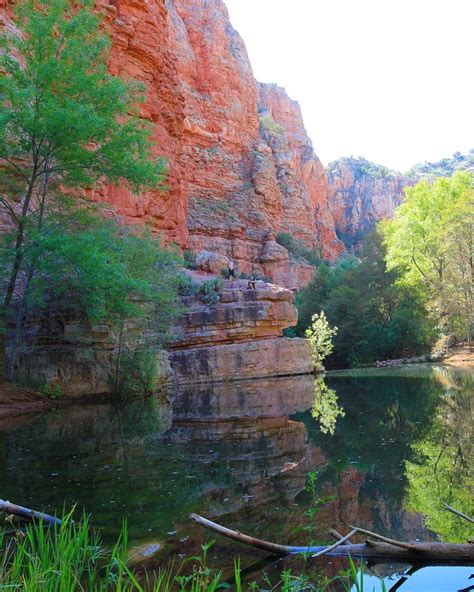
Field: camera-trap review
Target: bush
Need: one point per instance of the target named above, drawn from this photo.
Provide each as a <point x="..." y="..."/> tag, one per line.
<point x="320" y="336"/>
<point x="189" y="259"/>
<point x="138" y="373"/>
<point x="298" y="250"/>
<point x="268" y="124"/>
<point x="52" y="392"/>
<point x="208" y="291"/>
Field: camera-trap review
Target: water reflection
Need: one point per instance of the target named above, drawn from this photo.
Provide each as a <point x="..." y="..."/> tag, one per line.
<point x="388" y="446"/>
<point x="325" y="409"/>
<point x="224" y="448"/>
<point x="440" y="469"/>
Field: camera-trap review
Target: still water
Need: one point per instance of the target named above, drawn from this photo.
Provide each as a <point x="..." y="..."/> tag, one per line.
<point x="388" y="446"/>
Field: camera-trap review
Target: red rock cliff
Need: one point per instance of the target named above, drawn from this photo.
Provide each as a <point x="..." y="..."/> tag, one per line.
<point x="360" y="194"/>
<point x="205" y="103"/>
<point x="236" y="179"/>
<point x="234" y="183"/>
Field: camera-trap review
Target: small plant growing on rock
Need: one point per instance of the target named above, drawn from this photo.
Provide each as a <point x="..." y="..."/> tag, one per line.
<point x="52" y="392"/>
<point x="320" y="335"/>
<point x="209" y="292"/>
<point x="189" y="259"/>
<point x="268" y="124"/>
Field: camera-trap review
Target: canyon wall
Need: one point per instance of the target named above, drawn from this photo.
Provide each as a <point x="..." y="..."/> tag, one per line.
<point x="241" y="165"/>
<point x="237" y="336"/>
<point x="360" y="194"/>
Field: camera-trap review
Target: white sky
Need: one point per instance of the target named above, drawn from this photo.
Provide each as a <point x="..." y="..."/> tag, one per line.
<point x="390" y="80"/>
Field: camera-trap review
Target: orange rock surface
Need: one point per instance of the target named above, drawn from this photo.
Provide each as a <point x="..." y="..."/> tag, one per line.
<point x="233" y="182"/>
<point x="360" y="194"/>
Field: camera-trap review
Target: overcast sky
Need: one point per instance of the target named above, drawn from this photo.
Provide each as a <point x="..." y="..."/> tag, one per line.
<point x="391" y="80"/>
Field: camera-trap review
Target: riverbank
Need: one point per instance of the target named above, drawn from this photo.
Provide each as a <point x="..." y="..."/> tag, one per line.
<point x="17" y="400"/>
<point x="460" y="356"/>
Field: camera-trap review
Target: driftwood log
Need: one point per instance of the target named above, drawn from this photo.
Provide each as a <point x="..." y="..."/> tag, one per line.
<point x="409" y="552"/>
<point x="27" y="514"/>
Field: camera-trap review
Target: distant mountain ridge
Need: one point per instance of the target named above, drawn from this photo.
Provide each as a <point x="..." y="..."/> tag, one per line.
<point x="444" y="167"/>
<point x="361" y="192"/>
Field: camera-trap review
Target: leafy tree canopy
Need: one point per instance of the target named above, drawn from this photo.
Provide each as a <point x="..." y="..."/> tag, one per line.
<point x="67" y="124"/>
<point x="430" y="245"/>
<point x="376" y="317"/>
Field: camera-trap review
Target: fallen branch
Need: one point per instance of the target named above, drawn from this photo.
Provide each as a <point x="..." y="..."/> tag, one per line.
<point x="384" y="539"/>
<point x="26" y="513"/>
<point x="419" y="552"/>
<point x="337" y="535"/>
<point x="336" y="545"/>
<point x="243" y="538"/>
<point x="458" y="513"/>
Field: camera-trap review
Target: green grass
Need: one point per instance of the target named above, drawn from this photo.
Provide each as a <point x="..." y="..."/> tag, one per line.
<point x="72" y="558"/>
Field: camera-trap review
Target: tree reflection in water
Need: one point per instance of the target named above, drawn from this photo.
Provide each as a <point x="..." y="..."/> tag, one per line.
<point x="440" y="469"/>
<point x="325" y="409"/>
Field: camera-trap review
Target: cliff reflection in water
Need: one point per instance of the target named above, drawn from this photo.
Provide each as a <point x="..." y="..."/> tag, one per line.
<point x="240" y="452"/>
<point x="222" y="449"/>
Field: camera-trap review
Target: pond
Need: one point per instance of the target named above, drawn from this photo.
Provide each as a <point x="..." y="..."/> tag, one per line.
<point x="389" y="446"/>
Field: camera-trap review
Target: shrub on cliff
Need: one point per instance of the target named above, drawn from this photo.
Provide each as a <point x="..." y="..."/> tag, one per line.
<point x="65" y="122"/>
<point x="98" y="270"/>
<point x="298" y="250"/>
<point x="268" y="124"/>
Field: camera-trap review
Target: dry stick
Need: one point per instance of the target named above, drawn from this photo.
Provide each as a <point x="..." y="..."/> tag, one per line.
<point x="458" y="513"/>
<point x="337" y="535"/>
<point x="456" y="553"/>
<point x="10" y="508"/>
<point x="384" y="539"/>
<point x="242" y="538"/>
<point x="338" y="544"/>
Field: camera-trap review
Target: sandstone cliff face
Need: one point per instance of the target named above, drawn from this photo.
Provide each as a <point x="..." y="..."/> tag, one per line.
<point x="237" y="337"/>
<point x="301" y="177"/>
<point x="360" y="194"/>
<point x="234" y="181"/>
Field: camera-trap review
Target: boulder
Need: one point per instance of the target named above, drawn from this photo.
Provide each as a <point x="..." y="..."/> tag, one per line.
<point x="212" y="262"/>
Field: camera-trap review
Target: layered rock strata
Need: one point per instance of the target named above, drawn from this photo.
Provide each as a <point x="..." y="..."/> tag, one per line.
<point x="251" y="359"/>
<point x="63" y="351"/>
<point x="241" y="314"/>
<point x="361" y="194"/>
<point x="239" y="337"/>
<point x="242" y="167"/>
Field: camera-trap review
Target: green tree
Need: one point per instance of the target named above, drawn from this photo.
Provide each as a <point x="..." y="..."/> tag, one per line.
<point x="377" y="317"/>
<point x="430" y="243"/>
<point x="99" y="270"/>
<point x="65" y="122"/>
<point x="320" y="335"/>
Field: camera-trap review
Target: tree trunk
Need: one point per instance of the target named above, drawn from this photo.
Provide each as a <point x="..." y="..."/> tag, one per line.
<point x="10" y="508"/>
<point x="428" y="552"/>
<point x="20" y="318"/>
<point x="14" y="274"/>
